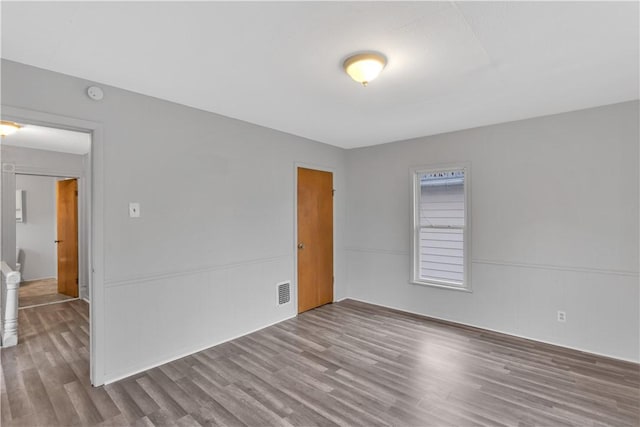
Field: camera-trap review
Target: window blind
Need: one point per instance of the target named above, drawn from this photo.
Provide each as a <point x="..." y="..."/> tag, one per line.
<point x="442" y="224"/>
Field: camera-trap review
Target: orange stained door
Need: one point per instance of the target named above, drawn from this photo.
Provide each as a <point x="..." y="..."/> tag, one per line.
<point x="315" y="238"/>
<point x="67" y="240"/>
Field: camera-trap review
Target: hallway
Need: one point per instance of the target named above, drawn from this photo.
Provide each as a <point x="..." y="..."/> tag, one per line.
<point x="36" y="292"/>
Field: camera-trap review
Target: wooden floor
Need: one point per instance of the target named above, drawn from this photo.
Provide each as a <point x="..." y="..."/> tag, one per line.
<point x="35" y="292"/>
<point x="342" y="364"/>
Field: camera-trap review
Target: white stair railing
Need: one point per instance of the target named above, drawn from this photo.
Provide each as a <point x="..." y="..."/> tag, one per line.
<point x="9" y="321"/>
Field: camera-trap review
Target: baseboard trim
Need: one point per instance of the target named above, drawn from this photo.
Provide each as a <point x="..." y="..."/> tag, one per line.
<point x="48" y="303"/>
<point x="496" y="331"/>
<point x="138" y="370"/>
<point x="23" y="280"/>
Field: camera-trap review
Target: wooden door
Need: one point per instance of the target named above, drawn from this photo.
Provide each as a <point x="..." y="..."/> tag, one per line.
<point x="315" y="238"/>
<point x="67" y="240"/>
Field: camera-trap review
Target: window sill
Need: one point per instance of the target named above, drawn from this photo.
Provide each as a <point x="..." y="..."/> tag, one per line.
<point x="441" y="285"/>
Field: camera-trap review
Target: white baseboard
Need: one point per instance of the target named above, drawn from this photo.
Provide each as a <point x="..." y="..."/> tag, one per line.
<point x="48" y="303"/>
<point x="22" y="279"/>
<point x="623" y="359"/>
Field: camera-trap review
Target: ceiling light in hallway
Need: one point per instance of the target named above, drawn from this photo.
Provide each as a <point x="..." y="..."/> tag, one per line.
<point x="7" y="128"/>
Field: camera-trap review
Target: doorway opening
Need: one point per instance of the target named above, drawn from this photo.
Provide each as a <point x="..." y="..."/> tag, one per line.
<point x="315" y="238"/>
<point x="47" y="239"/>
<point x="49" y="160"/>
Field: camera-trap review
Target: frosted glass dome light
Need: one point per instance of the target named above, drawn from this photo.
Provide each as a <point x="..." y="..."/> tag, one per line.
<point x="7" y="128"/>
<point x="364" y="67"/>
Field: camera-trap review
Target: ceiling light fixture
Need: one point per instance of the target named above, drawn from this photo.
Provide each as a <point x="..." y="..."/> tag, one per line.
<point x="364" y="67"/>
<point x="7" y="128"/>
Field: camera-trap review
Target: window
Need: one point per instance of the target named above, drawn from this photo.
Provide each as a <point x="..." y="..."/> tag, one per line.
<point x="440" y="242"/>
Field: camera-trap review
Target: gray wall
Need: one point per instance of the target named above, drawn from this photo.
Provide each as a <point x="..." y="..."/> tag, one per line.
<point x="35" y="236"/>
<point x="554" y="216"/>
<point x="61" y="164"/>
<point x="217" y="228"/>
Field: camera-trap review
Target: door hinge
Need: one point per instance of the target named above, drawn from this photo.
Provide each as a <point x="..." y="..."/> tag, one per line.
<point x="333" y="192"/>
<point x="76" y="280"/>
<point x="76" y="193"/>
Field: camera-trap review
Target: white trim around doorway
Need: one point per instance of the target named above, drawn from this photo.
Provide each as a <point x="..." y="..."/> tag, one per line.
<point x="95" y="218"/>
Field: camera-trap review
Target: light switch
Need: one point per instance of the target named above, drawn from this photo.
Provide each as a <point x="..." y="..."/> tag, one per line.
<point x="134" y="210"/>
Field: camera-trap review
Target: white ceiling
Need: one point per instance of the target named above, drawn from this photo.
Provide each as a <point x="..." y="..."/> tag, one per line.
<point x="45" y="138"/>
<point x="452" y="65"/>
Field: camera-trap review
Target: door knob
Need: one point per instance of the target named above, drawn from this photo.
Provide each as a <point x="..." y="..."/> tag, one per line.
<point x="57" y="241"/>
<point x="300" y="245"/>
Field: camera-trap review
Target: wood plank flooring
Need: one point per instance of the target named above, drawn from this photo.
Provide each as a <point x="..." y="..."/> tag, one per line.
<point x="345" y="364"/>
<point x="42" y="291"/>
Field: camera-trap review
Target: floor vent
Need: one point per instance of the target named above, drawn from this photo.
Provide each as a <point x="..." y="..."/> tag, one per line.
<point x="284" y="293"/>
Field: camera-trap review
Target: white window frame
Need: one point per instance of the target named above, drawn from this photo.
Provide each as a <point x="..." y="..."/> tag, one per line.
<point x="416" y="227"/>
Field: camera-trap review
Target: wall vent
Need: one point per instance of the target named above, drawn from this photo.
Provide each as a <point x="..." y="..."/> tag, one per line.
<point x="283" y="293"/>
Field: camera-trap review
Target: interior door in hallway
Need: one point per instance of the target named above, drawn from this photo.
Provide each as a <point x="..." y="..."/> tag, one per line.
<point x="67" y="237"/>
<point x="315" y="238"/>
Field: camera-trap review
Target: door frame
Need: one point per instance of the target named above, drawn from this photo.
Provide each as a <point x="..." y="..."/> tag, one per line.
<point x="321" y="168"/>
<point x="94" y="194"/>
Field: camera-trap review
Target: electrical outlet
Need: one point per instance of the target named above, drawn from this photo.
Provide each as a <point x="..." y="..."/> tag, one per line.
<point x="134" y="210"/>
<point x="562" y="316"/>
